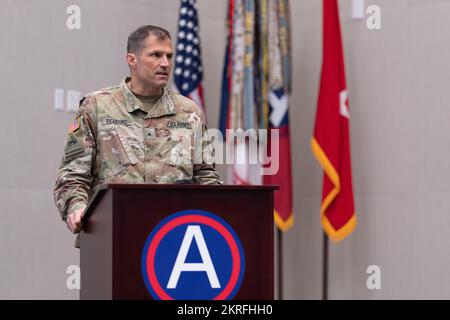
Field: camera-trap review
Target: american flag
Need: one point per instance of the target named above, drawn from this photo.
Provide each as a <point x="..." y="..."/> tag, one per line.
<point x="188" y="63"/>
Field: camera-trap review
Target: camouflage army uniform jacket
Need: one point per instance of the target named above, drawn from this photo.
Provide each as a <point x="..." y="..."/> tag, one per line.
<point x="112" y="140"/>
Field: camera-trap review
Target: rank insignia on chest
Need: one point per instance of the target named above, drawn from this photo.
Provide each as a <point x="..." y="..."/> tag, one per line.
<point x="74" y="126"/>
<point x="151" y="133"/>
<point x="179" y="124"/>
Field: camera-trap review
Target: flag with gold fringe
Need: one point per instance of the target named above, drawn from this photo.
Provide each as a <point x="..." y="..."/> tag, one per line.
<point x="331" y="143"/>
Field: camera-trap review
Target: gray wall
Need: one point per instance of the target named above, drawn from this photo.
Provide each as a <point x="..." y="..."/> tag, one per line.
<point x="398" y="85"/>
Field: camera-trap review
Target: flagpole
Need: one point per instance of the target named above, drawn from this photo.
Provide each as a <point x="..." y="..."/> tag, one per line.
<point x="325" y="268"/>
<point x="280" y="263"/>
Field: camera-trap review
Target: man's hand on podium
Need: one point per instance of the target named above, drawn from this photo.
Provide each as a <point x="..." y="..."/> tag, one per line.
<point x="74" y="220"/>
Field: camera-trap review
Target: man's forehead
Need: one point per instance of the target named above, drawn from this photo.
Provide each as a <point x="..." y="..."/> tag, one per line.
<point x="154" y="43"/>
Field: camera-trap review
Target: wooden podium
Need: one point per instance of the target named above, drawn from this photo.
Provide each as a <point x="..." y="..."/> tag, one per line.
<point x="120" y="218"/>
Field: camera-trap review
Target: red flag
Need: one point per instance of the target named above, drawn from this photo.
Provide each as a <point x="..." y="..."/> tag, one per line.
<point x="330" y="143"/>
<point x="284" y="218"/>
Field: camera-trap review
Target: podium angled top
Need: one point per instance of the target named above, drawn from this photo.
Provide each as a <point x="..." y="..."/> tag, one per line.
<point x="100" y="190"/>
<point x="186" y="186"/>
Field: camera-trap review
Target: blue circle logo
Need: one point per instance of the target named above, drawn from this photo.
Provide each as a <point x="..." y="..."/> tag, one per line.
<point x="193" y="254"/>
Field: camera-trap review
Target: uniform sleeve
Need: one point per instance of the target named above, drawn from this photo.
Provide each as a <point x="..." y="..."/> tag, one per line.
<point x="205" y="173"/>
<point x="74" y="176"/>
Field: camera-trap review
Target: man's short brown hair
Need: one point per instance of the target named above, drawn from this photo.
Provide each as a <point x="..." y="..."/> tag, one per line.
<point x="135" y="40"/>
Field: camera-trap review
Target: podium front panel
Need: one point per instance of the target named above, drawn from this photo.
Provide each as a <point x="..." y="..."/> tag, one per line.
<point x="136" y="211"/>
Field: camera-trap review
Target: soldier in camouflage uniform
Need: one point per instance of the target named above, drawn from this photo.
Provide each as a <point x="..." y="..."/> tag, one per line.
<point x="136" y="132"/>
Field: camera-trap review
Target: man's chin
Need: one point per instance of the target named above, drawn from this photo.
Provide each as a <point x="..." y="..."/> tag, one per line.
<point x="161" y="83"/>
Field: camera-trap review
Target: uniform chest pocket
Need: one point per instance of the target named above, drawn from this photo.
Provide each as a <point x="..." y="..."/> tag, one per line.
<point x="115" y="154"/>
<point x="180" y="145"/>
<point x="180" y="142"/>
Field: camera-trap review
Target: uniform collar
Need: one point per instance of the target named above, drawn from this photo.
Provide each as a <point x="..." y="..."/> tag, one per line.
<point x="164" y="106"/>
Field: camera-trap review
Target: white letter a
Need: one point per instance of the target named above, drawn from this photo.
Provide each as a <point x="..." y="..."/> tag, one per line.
<point x="374" y="280"/>
<point x="374" y="21"/>
<point x="74" y="20"/>
<point x="180" y="264"/>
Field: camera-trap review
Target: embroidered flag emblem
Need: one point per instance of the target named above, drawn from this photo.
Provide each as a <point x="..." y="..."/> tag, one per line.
<point x="74" y="126"/>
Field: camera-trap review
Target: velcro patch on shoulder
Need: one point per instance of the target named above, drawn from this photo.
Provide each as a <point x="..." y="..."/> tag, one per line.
<point x="73" y="148"/>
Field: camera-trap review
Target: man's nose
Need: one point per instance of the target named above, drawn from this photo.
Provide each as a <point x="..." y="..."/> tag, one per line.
<point x="164" y="61"/>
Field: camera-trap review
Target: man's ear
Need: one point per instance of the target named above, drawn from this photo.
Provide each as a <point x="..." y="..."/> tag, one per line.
<point x="131" y="59"/>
